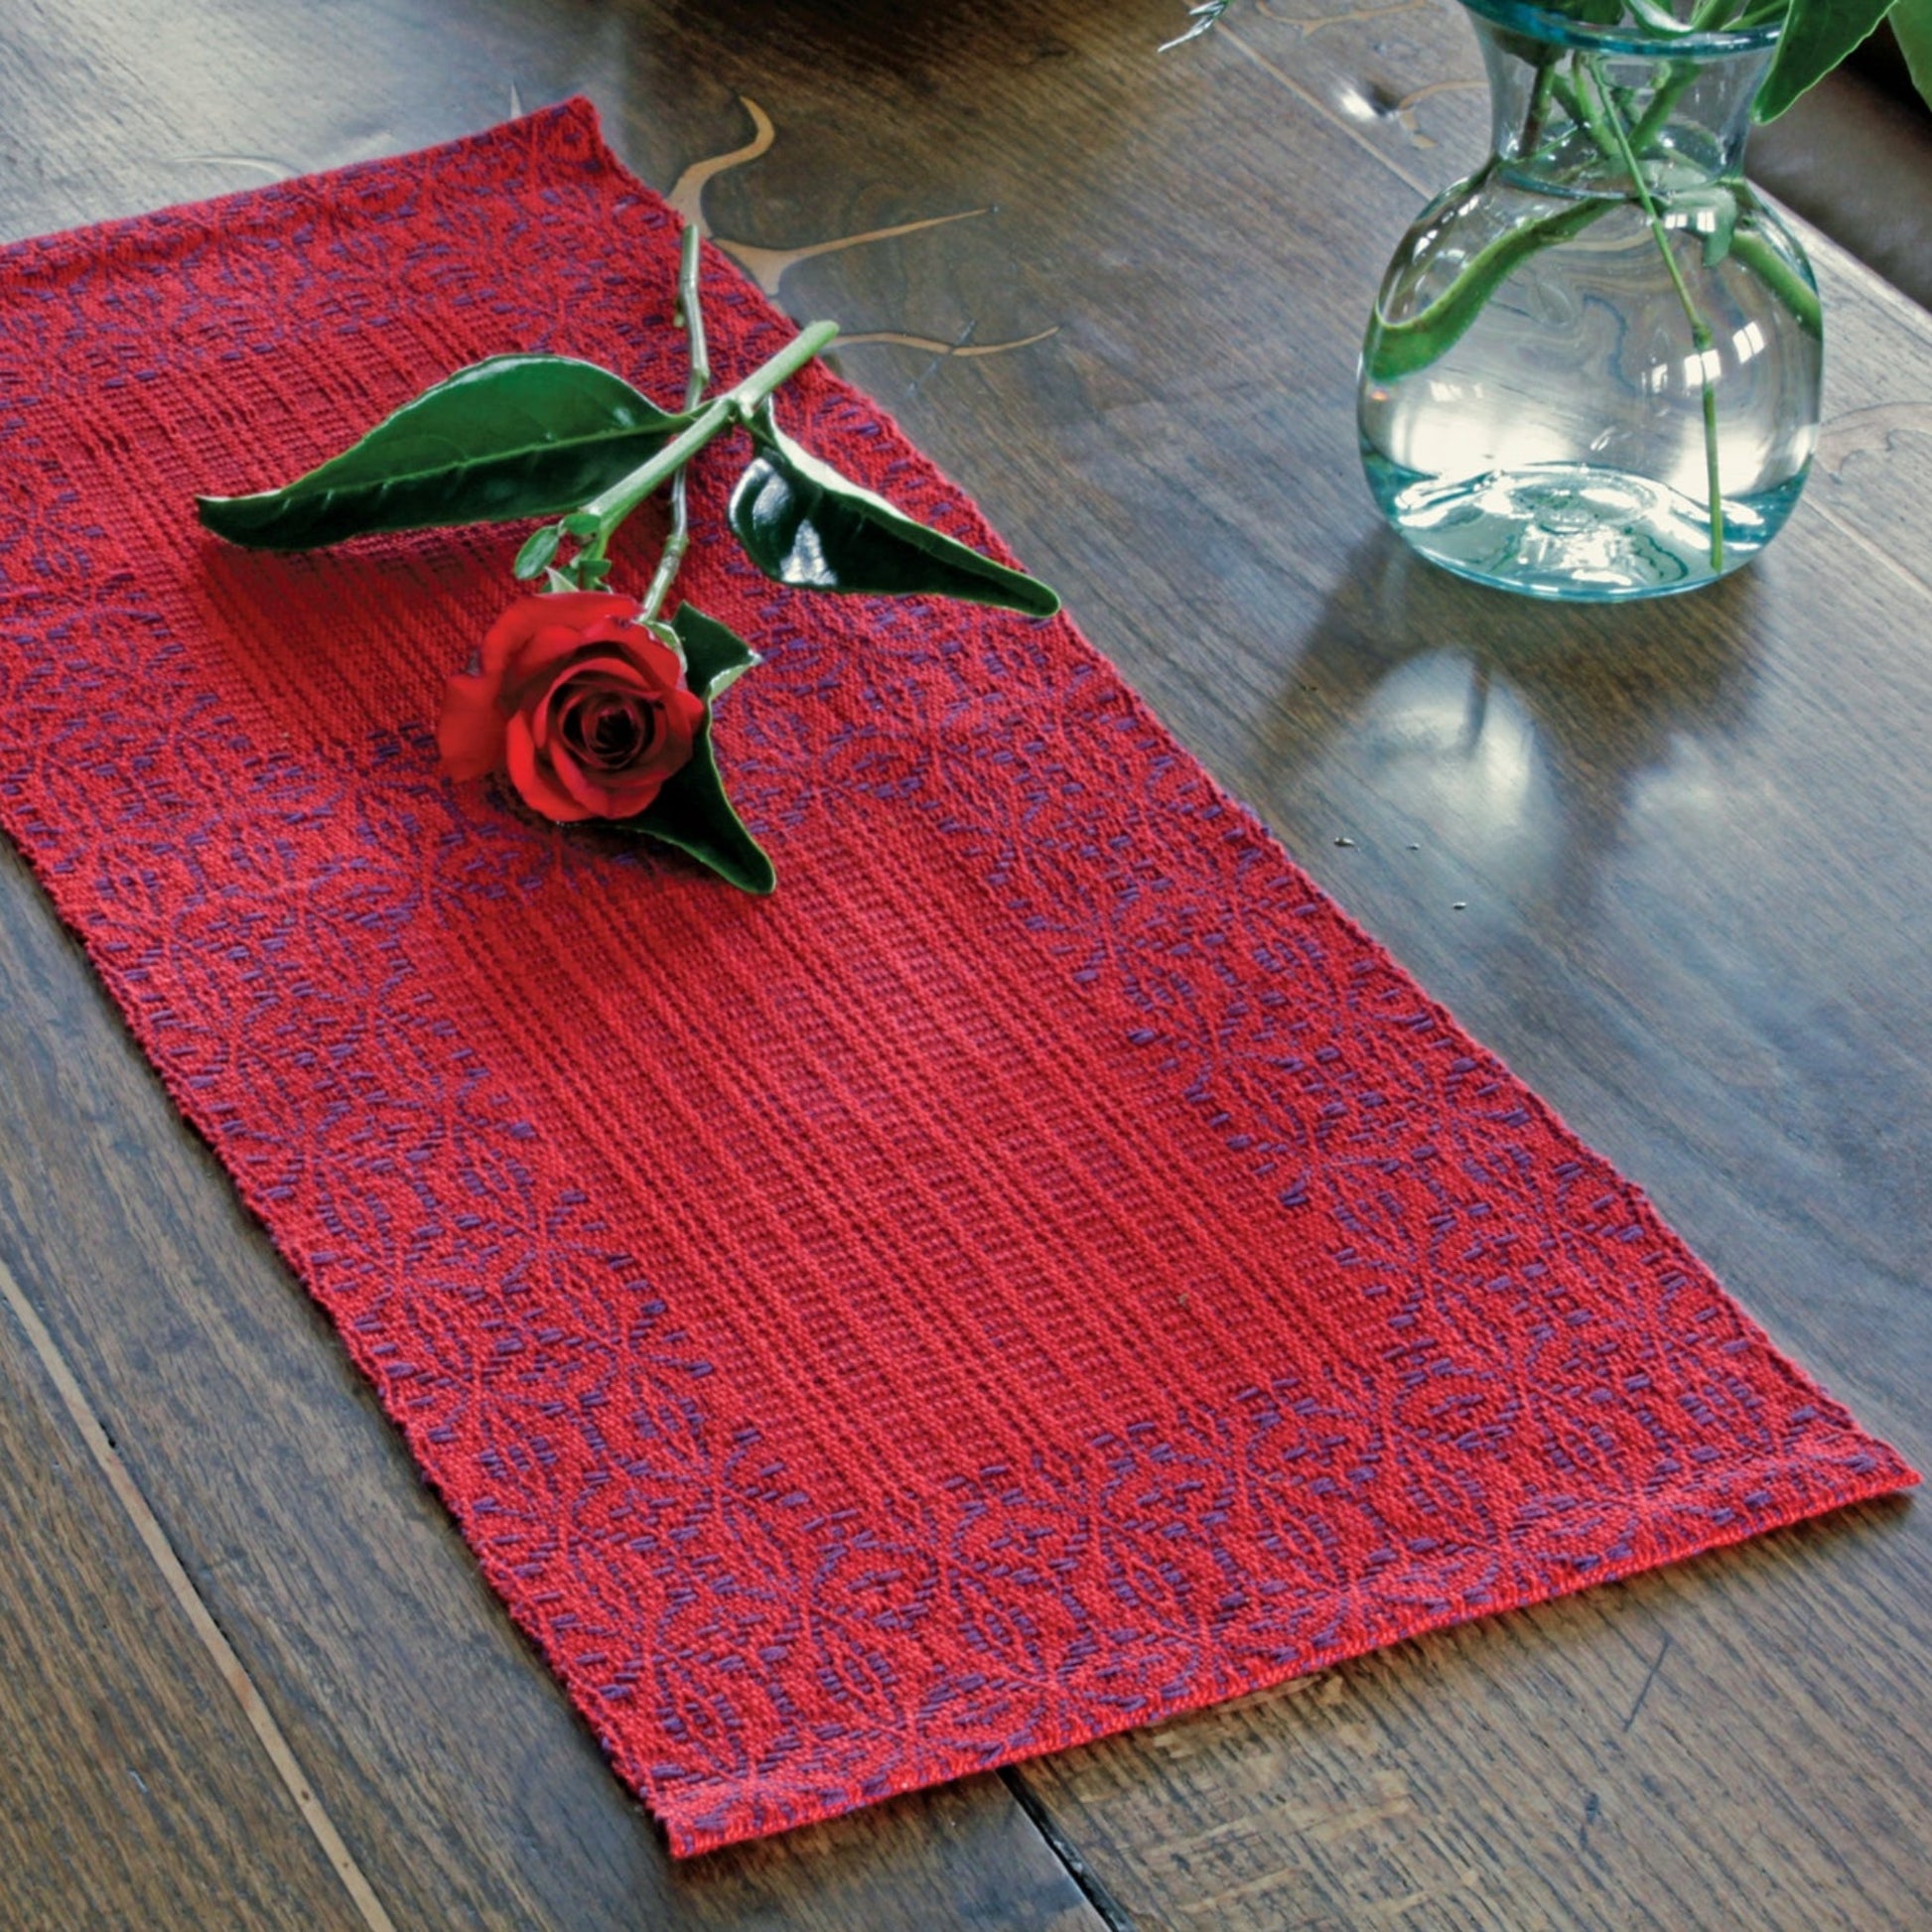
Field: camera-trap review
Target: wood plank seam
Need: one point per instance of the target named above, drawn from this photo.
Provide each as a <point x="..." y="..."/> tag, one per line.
<point x="1853" y="534"/>
<point x="1323" y="111"/>
<point x="1106" y="1906"/>
<point x="153" y="1539"/>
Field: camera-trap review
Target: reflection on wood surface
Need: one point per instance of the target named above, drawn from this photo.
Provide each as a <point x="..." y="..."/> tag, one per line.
<point x="767" y="266"/>
<point x="1869" y="432"/>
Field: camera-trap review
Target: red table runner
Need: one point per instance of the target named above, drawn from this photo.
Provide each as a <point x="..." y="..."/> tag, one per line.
<point x="1043" y="1271"/>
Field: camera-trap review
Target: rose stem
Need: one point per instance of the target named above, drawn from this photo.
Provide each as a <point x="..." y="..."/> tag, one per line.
<point x="611" y="506"/>
<point x="1701" y="336"/>
<point x="690" y="309"/>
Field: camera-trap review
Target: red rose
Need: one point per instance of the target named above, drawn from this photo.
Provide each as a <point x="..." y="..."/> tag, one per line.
<point x="584" y="707"/>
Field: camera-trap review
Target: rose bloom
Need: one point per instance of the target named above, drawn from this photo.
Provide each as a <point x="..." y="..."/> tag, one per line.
<point x="582" y="706"/>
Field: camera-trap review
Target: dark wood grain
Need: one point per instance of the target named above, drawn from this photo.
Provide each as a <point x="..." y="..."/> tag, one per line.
<point x="131" y="1789"/>
<point x="1675" y="862"/>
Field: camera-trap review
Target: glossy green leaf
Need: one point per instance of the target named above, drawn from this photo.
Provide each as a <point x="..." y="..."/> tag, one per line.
<point x="1394" y="350"/>
<point x="1712" y="216"/>
<point x="692" y="811"/>
<point x="1911" y="21"/>
<point x="810" y="527"/>
<point x="1817" y="35"/>
<point x="513" y="437"/>
<point x="1659" y="19"/>
<point x="1785" y="275"/>
<point x="714" y="657"/>
<point x="534" y="558"/>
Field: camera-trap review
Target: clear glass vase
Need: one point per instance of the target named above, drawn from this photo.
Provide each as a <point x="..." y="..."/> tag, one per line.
<point x="1593" y="370"/>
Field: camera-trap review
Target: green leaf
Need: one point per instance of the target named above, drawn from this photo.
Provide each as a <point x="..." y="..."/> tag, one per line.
<point x="534" y="558"/>
<point x="692" y="812"/>
<point x="1714" y="217"/>
<point x="513" y="437"/>
<point x="807" y="526"/>
<point x="1788" y="277"/>
<point x="1394" y="350"/>
<point x="1911" y="21"/>
<point x="714" y="657"/>
<point x="1817" y="35"/>
<point x="1660" y="20"/>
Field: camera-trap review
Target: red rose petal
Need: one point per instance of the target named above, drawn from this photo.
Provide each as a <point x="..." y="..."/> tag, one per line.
<point x="601" y="801"/>
<point x="580" y="678"/>
<point x="546" y="659"/>
<point x="470" y="731"/>
<point x="533" y="781"/>
<point x="686" y="713"/>
<point x="572" y="610"/>
<point x="545" y="656"/>
<point x="658" y="660"/>
<point x="537" y="716"/>
<point x="618" y="673"/>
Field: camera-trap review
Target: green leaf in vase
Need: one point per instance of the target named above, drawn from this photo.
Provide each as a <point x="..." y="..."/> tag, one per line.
<point x="692" y="811"/>
<point x="807" y="526"/>
<point x="1817" y="35"/>
<point x="1710" y="213"/>
<point x="1911" y="21"/>
<point x="513" y="437"/>
<point x="1394" y="350"/>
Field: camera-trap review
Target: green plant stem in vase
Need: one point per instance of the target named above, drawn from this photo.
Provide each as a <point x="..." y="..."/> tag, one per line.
<point x="1593" y="367"/>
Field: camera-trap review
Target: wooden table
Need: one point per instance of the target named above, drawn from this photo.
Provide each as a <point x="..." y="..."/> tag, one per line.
<point x="1675" y="862"/>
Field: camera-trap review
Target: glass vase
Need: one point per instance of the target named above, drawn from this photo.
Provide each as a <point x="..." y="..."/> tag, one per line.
<point x="1592" y="370"/>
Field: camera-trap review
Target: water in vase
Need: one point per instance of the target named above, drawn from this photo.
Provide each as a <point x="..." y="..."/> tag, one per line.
<point x="1591" y="372"/>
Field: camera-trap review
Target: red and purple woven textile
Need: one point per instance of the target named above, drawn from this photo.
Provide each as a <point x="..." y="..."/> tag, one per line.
<point x="1043" y="1271"/>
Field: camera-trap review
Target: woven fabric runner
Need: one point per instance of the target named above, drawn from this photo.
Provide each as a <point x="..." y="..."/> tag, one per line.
<point x="1044" y="1270"/>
